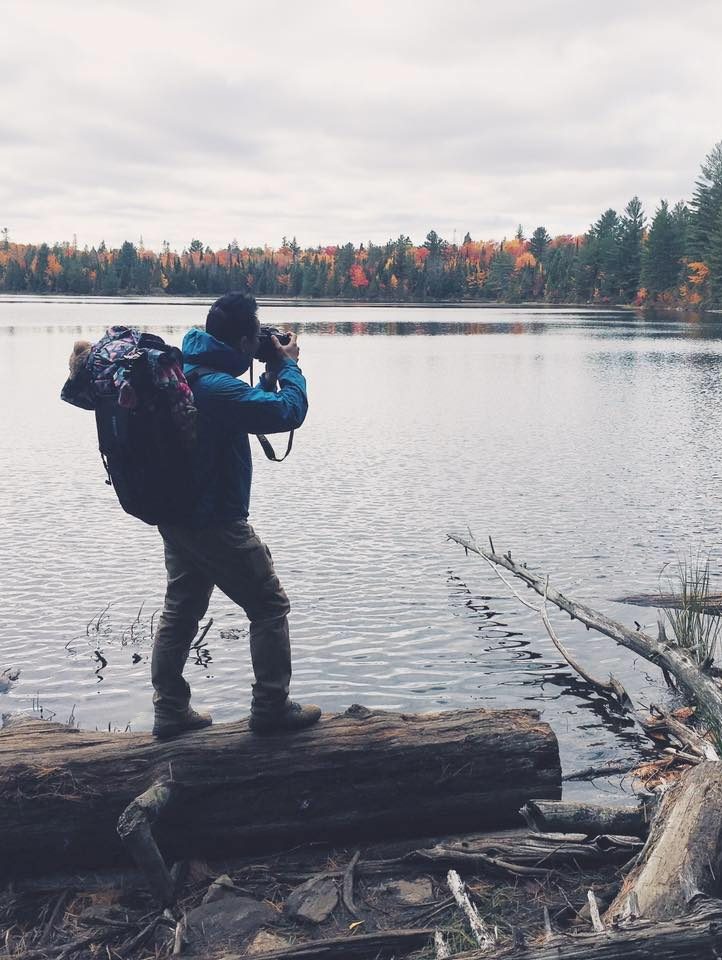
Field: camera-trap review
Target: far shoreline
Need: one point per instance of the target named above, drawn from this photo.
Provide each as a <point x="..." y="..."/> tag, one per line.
<point x="130" y="300"/>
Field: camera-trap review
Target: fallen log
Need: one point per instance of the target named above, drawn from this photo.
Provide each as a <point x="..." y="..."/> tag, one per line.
<point x="221" y="790"/>
<point x="696" y="936"/>
<point x="683" y="853"/>
<point x="710" y="603"/>
<point x="560" y="816"/>
<point x="369" y="946"/>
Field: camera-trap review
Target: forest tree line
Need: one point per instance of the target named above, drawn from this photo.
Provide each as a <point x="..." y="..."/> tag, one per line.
<point x="674" y="259"/>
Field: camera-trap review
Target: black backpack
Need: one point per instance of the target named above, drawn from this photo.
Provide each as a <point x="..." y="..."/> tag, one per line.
<point x="146" y="421"/>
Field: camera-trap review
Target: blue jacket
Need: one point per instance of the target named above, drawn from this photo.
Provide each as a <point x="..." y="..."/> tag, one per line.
<point x="228" y="410"/>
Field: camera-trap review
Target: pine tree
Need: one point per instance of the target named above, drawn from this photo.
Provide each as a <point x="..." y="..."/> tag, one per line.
<point x="539" y="242"/>
<point x="630" y="249"/>
<point x="603" y="251"/>
<point x="706" y="204"/>
<point x="714" y="261"/>
<point x="662" y="259"/>
<point x="498" y="281"/>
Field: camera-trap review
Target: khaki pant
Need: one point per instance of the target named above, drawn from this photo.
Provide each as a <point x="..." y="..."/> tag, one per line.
<point x="231" y="557"/>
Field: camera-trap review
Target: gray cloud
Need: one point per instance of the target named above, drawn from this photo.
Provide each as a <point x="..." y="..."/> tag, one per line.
<point x="336" y="121"/>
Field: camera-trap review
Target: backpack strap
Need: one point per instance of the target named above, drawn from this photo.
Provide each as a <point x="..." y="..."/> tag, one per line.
<point x="266" y="445"/>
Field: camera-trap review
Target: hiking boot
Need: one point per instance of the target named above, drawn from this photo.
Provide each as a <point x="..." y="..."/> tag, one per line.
<point x="292" y="717"/>
<point x="166" y="727"/>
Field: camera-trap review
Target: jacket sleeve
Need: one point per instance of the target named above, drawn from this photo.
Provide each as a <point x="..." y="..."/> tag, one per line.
<point x="255" y="410"/>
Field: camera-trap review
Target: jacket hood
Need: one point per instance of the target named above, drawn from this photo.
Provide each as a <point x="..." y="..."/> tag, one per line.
<point x="200" y="349"/>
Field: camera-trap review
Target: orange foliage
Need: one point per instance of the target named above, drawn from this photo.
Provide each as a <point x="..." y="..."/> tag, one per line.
<point x="524" y="260"/>
<point x="566" y="240"/>
<point x="698" y="272"/>
<point x="516" y="247"/>
<point x="357" y="276"/>
<point x="54" y="267"/>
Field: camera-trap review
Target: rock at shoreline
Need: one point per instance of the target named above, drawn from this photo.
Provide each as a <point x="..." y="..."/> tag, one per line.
<point x="229" y="919"/>
<point x="313" y="901"/>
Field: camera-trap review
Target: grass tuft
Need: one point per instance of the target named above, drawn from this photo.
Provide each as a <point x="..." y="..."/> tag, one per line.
<point x="694" y="630"/>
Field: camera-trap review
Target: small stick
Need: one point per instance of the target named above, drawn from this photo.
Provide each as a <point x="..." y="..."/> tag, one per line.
<point x="203" y="633"/>
<point x="442" y="951"/>
<point x="594" y="913"/>
<point x="180" y="929"/>
<point x="484" y="937"/>
<point x="548" y="932"/>
<point x="141" y="937"/>
<point x="60" y="904"/>
<point x="348" y="879"/>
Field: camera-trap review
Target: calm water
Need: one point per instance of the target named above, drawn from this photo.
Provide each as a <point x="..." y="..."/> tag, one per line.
<point x="587" y="442"/>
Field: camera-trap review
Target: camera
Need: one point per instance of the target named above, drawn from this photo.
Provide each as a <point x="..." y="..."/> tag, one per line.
<point x="266" y="352"/>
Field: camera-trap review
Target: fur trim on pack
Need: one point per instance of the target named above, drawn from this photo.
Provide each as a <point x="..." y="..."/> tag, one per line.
<point x="81" y="349"/>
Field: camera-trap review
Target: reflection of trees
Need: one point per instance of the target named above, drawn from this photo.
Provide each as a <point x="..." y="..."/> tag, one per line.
<point x="419" y="328"/>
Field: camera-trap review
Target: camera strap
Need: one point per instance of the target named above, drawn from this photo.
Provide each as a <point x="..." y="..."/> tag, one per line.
<point x="268" y="449"/>
<point x="266" y="445"/>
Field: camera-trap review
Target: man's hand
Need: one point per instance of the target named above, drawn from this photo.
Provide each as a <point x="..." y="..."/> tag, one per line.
<point x="290" y="351"/>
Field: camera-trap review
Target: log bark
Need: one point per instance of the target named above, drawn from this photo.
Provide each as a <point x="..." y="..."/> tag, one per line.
<point x="697" y="936"/>
<point x="683" y="853"/>
<point x="365" y="774"/>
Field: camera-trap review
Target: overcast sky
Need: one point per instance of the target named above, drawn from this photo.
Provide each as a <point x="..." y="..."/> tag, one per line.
<point x="336" y="121"/>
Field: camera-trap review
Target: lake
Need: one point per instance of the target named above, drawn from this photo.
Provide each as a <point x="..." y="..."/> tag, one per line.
<point x="586" y="441"/>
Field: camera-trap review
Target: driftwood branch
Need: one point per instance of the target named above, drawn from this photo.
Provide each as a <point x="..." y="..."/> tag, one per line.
<point x="698" y="686"/>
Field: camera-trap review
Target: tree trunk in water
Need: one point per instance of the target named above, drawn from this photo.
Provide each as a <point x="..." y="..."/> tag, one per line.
<point x="361" y="774"/>
<point x="683" y="853"/>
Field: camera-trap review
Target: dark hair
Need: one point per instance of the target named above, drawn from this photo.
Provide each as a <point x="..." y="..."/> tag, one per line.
<point x="233" y="316"/>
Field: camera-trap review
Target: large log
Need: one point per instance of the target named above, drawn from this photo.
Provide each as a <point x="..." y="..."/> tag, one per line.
<point x="683" y="853"/>
<point x="361" y="774"/>
<point x="697" y="936"/>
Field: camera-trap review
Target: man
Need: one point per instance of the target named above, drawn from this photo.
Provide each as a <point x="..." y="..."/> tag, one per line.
<point x="217" y="546"/>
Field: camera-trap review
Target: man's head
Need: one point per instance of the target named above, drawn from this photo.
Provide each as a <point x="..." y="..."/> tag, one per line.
<point x="234" y="320"/>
